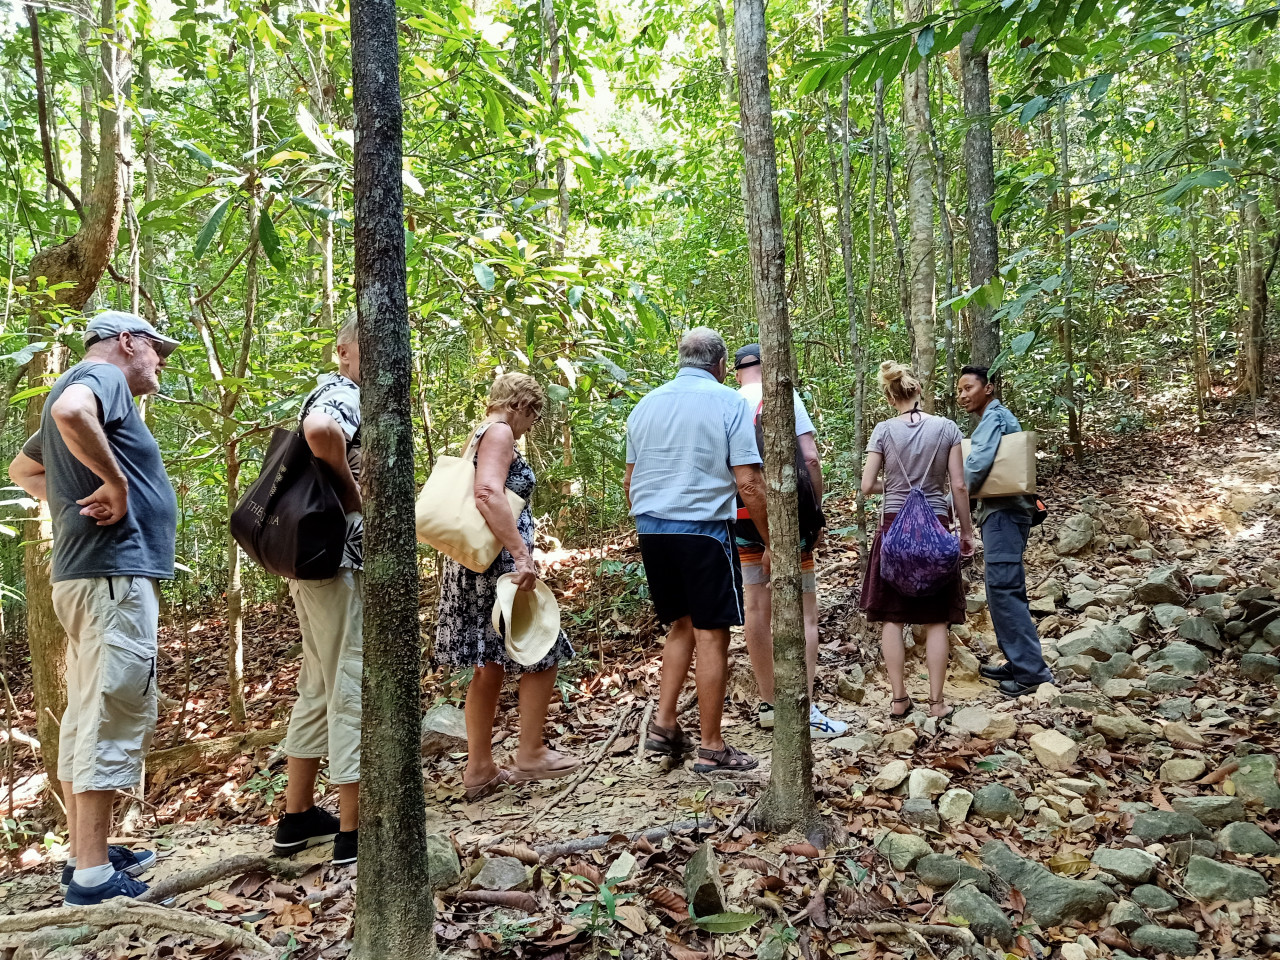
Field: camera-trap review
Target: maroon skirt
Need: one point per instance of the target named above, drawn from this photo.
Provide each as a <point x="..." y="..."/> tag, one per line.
<point x="882" y="603"/>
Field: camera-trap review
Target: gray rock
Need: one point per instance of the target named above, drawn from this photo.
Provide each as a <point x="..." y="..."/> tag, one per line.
<point x="1163" y="585"/>
<point x="1177" y="943"/>
<point x="902" y="850"/>
<point x="1168" y="615"/>
<point x="1051" y="900"/>
<point x="996" y="802"/>
<point x="443" y="866"/>
<point x="1127" y="916"/>
<point x="1259" y="667"/>
<point x="1078" y="666"/>
<point x="926" y="783"/>
<point x="985" y="917"/>
<point x="1118" y="665"/>
<point x="1201" y="631"/>
<point x="1182" y="770"/>
<point x="501" y="873"/>
<point x="1088" y="643"/>
<point x="1208" y="581"/>
<point x="1167" y="683"/>
<point x="1212" y="811"/>
<point x="1080" y="599"/>
<point x="1256" y="781"/>
<point x="1167" y="824"/>
<point x="919" y="812"/>
<point x="1210" y="880"/>
<point x="941" y="871"/>
<point x="1153" y="898"/>
<point x="444" y="730"/>
<point x="1124" y="726"/>
<point x="1248" y="839"/>
<point x="1179" y="658"/>
<point x="1088" y="702"/>
<point x="1129" y="865"/>
<point x="1180" y="852"/>
<point x="702" y="884"/>
<point x="953" y="806"/>
<point x="1076" y="533"/>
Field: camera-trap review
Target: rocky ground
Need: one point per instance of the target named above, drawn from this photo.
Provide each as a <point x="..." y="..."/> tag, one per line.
<point x="1129" y="810"/>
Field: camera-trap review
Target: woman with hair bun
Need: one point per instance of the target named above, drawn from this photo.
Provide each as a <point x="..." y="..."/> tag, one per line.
<point x="915" y="449"/>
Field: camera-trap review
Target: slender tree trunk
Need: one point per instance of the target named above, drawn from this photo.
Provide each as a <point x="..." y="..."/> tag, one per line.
<point x="1068" y="287"/>
<point x="789" y="799"/>
<point x="1191" y="224"/>
<point x="1253" y="379"/>
<point x="152" y="177"/>
<point x="394" y="913"/>
<point x="846" y="252"/>
<point x="948" y="269"/>
<point x="921" y="270"/>
<point x="554" y="39"/>
<point x="88" y="110"/>
<point x="722" y="35"/>
<point x="980" y="178"/>
<point x="891" y="209"/>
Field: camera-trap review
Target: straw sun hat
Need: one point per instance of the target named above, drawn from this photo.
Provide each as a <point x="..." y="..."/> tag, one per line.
<point x="531" y="619"/>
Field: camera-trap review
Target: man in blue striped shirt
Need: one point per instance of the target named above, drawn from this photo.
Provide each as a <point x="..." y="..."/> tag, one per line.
<point x="691" y="447"/>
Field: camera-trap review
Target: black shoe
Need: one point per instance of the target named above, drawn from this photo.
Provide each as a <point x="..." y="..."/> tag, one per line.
<point x="1002" y="672"/>
<point x="297" y="831"/>
<point x="344" y="847"/>
<point x="1013" y="689"/>
<point x="134" y="863"/>
<point x="120" y="884"/>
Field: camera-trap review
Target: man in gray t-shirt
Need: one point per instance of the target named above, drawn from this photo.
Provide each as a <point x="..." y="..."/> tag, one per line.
<point x="114" y="514"/>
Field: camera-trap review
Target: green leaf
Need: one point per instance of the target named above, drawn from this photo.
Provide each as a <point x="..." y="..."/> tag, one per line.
<point x="484" y="275"/>
<point x="311" y="130"/>
<point x="210" y="228"/>
<point x="924" y="42"/>
<point x="1085" y="11"/>
<point x="1022" y="343"/>
<point x="727" y="922"/>
<point x="1098" y="89"/>
<point x="1032" y="109"/>
<point x="24" y="355"/>
<point x="1073" y="46"/>
<point x="173" y="203"/>
<point x="575" y="295"/>
<point x="30" y="392"/>
<point x="494" y="116"/>
<point x="270" y="240"/>
<point x="1203" y="178"/>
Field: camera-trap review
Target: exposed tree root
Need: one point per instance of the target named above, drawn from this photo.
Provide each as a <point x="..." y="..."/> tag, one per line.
<point x="211" y="873"/>
<point x="49" y="926"/>
<point x="961" y="935"/>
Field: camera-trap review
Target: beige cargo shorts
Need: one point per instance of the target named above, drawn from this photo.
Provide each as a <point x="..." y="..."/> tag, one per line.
<point x="111" y="625"/>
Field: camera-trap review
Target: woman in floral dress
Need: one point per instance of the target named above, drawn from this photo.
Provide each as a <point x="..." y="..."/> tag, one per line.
<point x="464" y="632"/>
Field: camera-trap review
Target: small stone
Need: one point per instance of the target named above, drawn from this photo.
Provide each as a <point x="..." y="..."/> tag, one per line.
<point x="1163" y="585"/>
<point x="942" y="871"/>
<point x="1259" y="667"/>
<point x="702" y="883"/>
<point x="1051" y="900"/>
<point x="984" y="723"/>
<point x="443" y="867"/>
<point x="1081" y="599"/>
<point x="1043" y="606"/>
<point x="501" y="873"/>
<point x="902" y="740"/>
<point x="1180" y="732"/>
<point x="444" y="730"/>
<point x="985" y="917"/>
<point x="1201" y="631"/>
<point x="1179" y="658"/>
<point x="1182" y="770"/>
<point x="953" y="806"/>
<point x="1208" y="880"/>
<point x="1129" y="865"/>
<point x="1153" y="898"/>
<point x="1075" y="534"/>
<point x="1118" y="665"/>
<point x="891" y="775"/>
<point x="1248" y="839"/>
<point x="1177" y="943"/>
<point x="1208" y="582"/>
<point x="1167" y="683"/>
<point x="1256" y="781"/>
<point x="926" y="783"/>
<point x="846" y="689"/>
<point x="997" y="802"/>
<point x="1127" y="916"/>
<point x="1054" y="750"/>
<point x="1118" y="689"/>
<point x="1165" y="824"/>
<point x="1211" y="811"/>
<point x="1169" y="615"/>
<point x="902" y="849"/>
<point x="1124" y="726"/>
<point x="919" y="812"/>
<point x="1079" y="666"/>
<point x="1136" y="623"/>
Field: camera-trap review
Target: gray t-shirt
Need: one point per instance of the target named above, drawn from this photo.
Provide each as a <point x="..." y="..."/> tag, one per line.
<point x="915" y="454"/>
<point x="141" y="543"/>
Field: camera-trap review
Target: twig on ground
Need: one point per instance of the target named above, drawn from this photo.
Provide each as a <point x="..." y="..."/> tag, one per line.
<point x="220" y="748"/>
<point x="643" y="730"/>
<point x="895" y="929"/>
<point x="116" y="912"/>
<point x="551" y="851"/>
<point x="211" y="873"/>
<point x="742" y="815"/>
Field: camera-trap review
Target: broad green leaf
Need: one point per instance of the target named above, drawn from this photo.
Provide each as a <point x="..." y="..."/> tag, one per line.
<point x="1084" y="12"/>
<point x="494" y="116"/>
<point x="270" y="240"/>
<point x="575" y="295"/>
<point x="30" y="392"/>
<point x="24" y="355"/>
<point x="727" y="922"/>
<point x="210" y="228"/>
<point x="566" y="367"/>
<point x="1022" y="343"/>
<point x="1073" y="46"/>
<point x="311" y="130"/>
<point x="1202" y="178"/>
<point x="1098" y="89"/>
<point x="173" y="203"/>
<point x="484" y="275"/>
<point x="1032" y="109"/>
<point x="924" y="42"/>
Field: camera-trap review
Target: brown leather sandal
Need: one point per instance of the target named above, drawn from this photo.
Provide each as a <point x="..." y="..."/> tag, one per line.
<point x="665" y="741"/>
<point x="727" y="760"/>
<point x="899" y="716"/>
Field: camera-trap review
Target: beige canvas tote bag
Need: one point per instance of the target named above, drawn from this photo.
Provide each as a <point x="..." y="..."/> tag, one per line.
<point x="1014" y="471"/>
<point x="446" y="515"/>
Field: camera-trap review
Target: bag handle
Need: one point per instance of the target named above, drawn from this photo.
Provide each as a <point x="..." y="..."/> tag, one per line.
<point x="311" y="401"/>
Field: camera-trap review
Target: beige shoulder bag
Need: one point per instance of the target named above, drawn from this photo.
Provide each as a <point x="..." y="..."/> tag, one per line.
<point x="1014" y="470"/>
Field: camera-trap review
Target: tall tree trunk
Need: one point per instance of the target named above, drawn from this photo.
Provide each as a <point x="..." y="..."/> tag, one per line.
<point x="980" y="178"/>
<point x="1191" y="225"/>
<point x="846" y="252"/>
<point x="88" y="109"/>
<point x="948" y="270"/>
<point x="722" y="35"/>
<point x="554" y="39"/>
<point x="1253" y="379"/>
<point x="921" y="270"/>
<point x="789" y="800"/>
<point x="394" y="912"/>
<point x="891" y="209"/>
<point x="1068" y="286"/>
<point x="152" y="176"/>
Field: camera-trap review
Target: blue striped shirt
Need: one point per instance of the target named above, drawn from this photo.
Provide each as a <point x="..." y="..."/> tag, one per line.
<point x="684" y="440"/>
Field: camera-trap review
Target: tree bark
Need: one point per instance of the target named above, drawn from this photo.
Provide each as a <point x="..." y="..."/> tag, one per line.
<point x="980" y="178"/>
<point x="948" y="270"/>
<point x="789" y="798"/>
<point x="921" y="270"/>
<point x="394" y="912"/>
<point x="1253" y="379"/>
<point x="1068" y="286"/>
<point x="152" y="177"/>
<point x="846" y="252"/>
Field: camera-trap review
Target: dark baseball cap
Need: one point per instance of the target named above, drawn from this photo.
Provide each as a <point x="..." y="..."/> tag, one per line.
<point x="748" y="356"/>
<point x="112" y="323"/>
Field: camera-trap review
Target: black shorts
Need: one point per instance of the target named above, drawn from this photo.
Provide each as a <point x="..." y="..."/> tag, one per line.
<point x="693" y="575"/>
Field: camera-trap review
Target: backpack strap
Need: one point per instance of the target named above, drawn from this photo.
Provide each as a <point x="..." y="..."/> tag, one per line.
<point x="310" y="402"/>
<point x="901" y="467"/>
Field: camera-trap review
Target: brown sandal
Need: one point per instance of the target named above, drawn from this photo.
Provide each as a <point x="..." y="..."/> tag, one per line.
<point x="941" y="717"/>
<point x="499" y="779"/>
<point x="727" y="760"/>
<point x="560" y="766"/>
<point x="665" y="741"/>
<point x="899" y="716"/>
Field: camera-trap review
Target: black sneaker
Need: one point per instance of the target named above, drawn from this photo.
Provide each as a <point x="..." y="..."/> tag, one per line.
<point x="1002" y="672"/>
<point x="344" y="847"/>
<point x="1013" y="689"/>
<point x="764" y="715"/>
<point x="134" y="863"/>
<point x="120" y="885"/>
<point x="297" y="831"/>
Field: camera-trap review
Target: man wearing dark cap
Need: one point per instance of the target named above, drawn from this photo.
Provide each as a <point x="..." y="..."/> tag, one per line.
<point x="115" y="515"/>
<point x="755" y="579"/>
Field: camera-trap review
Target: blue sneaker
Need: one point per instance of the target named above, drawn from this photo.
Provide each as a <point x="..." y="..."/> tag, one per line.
<point x="120" y="885"/>
<point x="134" y="863"/>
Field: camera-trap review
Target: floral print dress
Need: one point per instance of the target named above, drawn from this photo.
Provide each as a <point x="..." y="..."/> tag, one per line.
<point x="464" y="630"/>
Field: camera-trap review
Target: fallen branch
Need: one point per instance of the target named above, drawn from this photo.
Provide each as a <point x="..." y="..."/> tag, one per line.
<point x="643" y="730"/>
<point x="894" y="929"/>
<point x="113" y="913"/>
<point x="585" y="772"/>
<point x="742" y="815"/>
<point x="211" y="873"/>
<point x="501" y="898"/>
<point x="221" y="748"/>
<point x="551" y="851"/>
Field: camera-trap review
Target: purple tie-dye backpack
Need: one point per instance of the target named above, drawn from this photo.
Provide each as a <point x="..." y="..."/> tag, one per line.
<point x="917" y="553"/>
